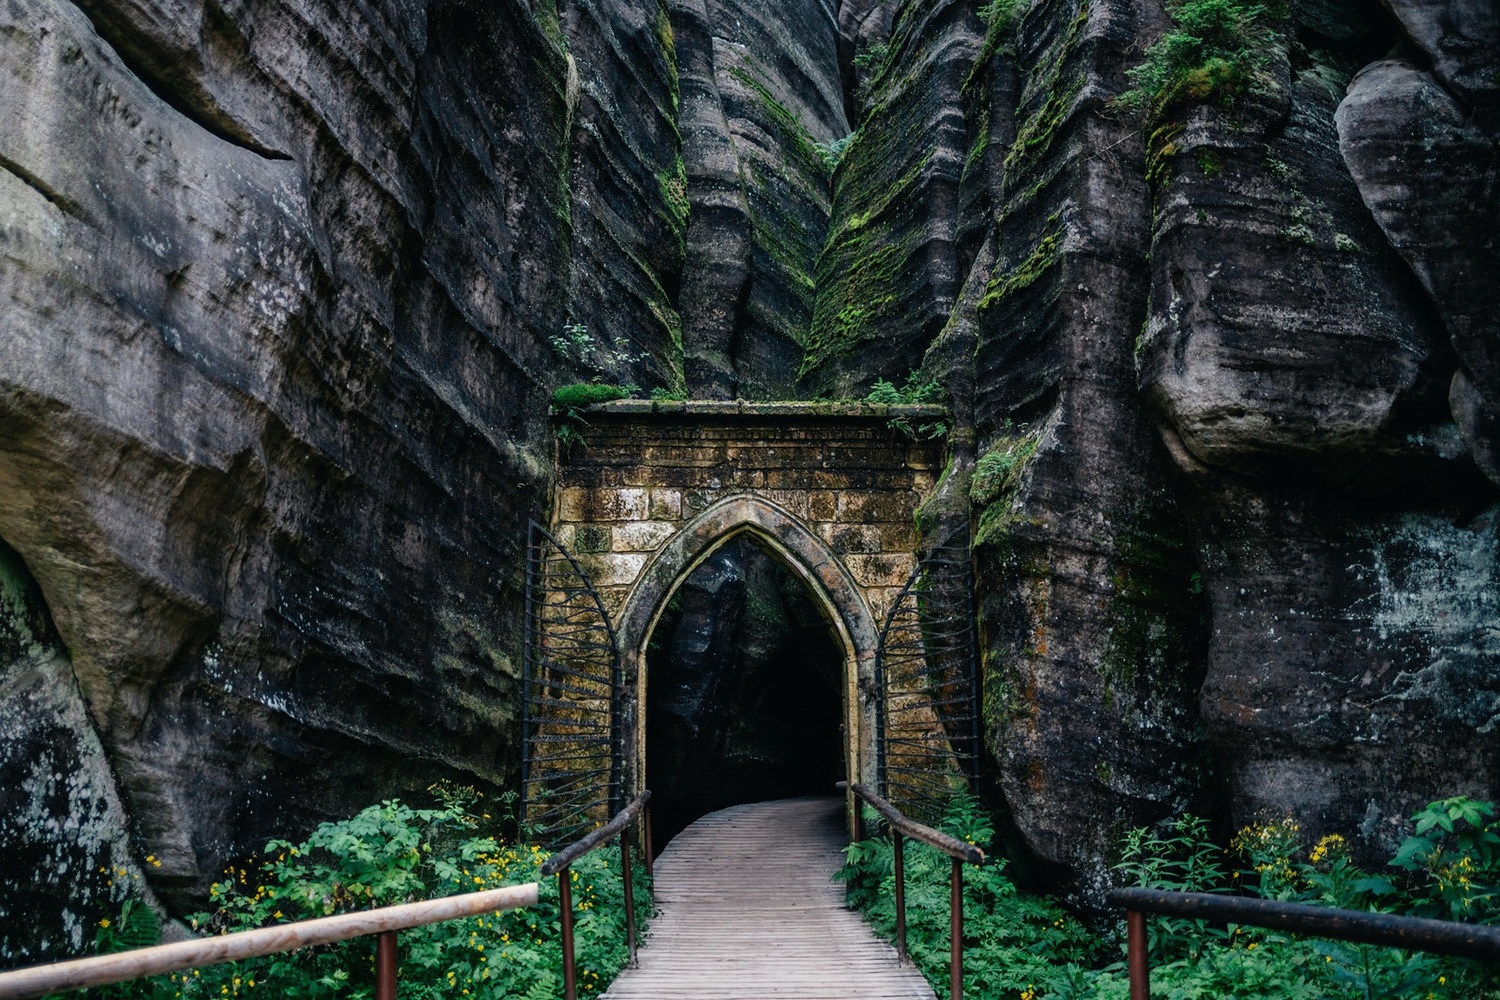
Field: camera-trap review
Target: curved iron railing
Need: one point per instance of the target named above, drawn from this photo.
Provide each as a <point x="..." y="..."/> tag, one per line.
<point x="572" y="728"/>
<point x="927" y="683"/>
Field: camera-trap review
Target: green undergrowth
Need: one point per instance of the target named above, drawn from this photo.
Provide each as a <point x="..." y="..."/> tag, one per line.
<point x="389" y="854"/>
<point x="1030" y="947"/>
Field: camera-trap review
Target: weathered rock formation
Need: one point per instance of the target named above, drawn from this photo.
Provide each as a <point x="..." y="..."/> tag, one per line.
<point x="286" y="287"/>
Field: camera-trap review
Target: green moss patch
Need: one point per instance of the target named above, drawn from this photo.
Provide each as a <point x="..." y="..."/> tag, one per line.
<point x="1043" y="256"/>
<point x="568" y="398"/>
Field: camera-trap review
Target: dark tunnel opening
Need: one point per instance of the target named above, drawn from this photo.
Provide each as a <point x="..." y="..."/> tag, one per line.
<point x="744" y="691"/>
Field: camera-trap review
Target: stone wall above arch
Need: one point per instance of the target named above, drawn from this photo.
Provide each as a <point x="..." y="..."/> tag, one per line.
<point x="841" y="473"/>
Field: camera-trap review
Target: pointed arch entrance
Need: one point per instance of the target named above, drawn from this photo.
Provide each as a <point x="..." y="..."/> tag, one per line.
<point x="825" y="578"/>
<point x="653" y="489"/>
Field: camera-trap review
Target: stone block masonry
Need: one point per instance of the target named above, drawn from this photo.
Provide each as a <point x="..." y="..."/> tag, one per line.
<point x="646" y="469"/>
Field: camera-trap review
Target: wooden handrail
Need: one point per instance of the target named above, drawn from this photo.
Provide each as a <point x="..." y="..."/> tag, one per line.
<point x="597" y="838"/>
<point x="102" y="970"/>
<point x="1445" y="937"/>
<point x="957" y="850"/>
<point x="949" y="845"/>
<point x="560" y="863"/>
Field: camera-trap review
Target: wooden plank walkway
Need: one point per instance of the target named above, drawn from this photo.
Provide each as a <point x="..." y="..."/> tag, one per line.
<point x="747" y="910"/>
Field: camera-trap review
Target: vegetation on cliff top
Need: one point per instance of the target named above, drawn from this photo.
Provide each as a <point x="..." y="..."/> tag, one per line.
<point x="1215" y="51"/>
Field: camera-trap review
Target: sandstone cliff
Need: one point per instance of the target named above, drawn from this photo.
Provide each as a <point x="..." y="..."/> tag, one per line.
<point x="287" y="286"/>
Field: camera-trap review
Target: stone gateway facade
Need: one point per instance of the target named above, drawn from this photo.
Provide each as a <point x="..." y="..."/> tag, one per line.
<point x="831" y="490"/>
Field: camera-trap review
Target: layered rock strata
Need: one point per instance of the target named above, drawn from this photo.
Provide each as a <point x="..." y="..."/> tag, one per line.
<point x="287" y="286"/>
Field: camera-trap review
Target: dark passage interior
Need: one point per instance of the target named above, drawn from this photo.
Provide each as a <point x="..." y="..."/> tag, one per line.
<point x="743" y="691"/>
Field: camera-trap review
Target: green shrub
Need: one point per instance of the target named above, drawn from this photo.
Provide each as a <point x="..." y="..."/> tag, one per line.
<point x="389" y="854"/>
<point x="1025" y="946"/>
<point x="999" y="14"/>
<point x="569" y="402"/>
<point x="1215" y="51"/>
<point x="569" y="399"/>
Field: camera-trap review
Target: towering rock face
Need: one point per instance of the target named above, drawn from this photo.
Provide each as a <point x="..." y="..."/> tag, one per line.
<point x="1095" y="627"/>
<point x="763" y="111"/>
<point x="280" y="283"/>
<point x="1302" y="378"/>
<point x="287" y="286"/>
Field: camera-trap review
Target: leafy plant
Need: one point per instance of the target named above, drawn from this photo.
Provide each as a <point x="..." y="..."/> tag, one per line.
<point x="1452" y="861"/>
<point x="833" y="152"/>
<point x="1012" y="938"/>
<point x="1216" y="50"/>
<point x="1033" y="948"/>
<point x="917" y="391"/>
<point x="569" y="402"/>
<point x="577" y="344"/>
<point x="391" y="853"/>
<point x="873" y="56"/>
<point x="999" y="14"/>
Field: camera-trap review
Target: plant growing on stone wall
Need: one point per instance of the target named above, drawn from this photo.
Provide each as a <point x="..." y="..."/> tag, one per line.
<point x="575" y="343"/>
<point x="999" y="14"/>
<point x="917" y="391"/>
<point x="1215" y="51"/>
<point x="569" y="402"/>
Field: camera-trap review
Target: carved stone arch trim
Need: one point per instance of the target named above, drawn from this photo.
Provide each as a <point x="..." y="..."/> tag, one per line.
<point x="787" y="537"/>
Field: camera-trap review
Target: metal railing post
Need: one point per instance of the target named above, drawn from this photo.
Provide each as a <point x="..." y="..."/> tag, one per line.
<point x="385" y="966"/>
<point x="900" y="851"/>
<point x="629" y="893"/>
<point x="1139" y="961"/>
<point x="956" y="933"/>
<point x="565" y="911"/>
<point x="646" y="834"/>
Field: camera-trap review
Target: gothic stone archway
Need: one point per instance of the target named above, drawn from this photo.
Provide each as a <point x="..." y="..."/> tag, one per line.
<point x="830" y="490"/>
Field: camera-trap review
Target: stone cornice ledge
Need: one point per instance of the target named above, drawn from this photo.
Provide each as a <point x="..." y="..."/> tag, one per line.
<point x="743" y="408"/>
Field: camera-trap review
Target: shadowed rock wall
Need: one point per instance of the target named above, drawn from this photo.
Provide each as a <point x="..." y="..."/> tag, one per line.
<point x="279" y="281"/>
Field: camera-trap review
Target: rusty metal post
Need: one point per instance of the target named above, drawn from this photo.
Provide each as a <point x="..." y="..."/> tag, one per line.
<point x="385" y="966"/>
<point x="629" y="892"/>
<point x="646" y="839"/>
<point x="1139" y="961"/>
<point x="956" y="933"/>
<point x="896" y="843"/>
<point x="565" y="911"/>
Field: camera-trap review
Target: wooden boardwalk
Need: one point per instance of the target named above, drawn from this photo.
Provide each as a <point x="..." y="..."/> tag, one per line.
<point x="747" y="910"/>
